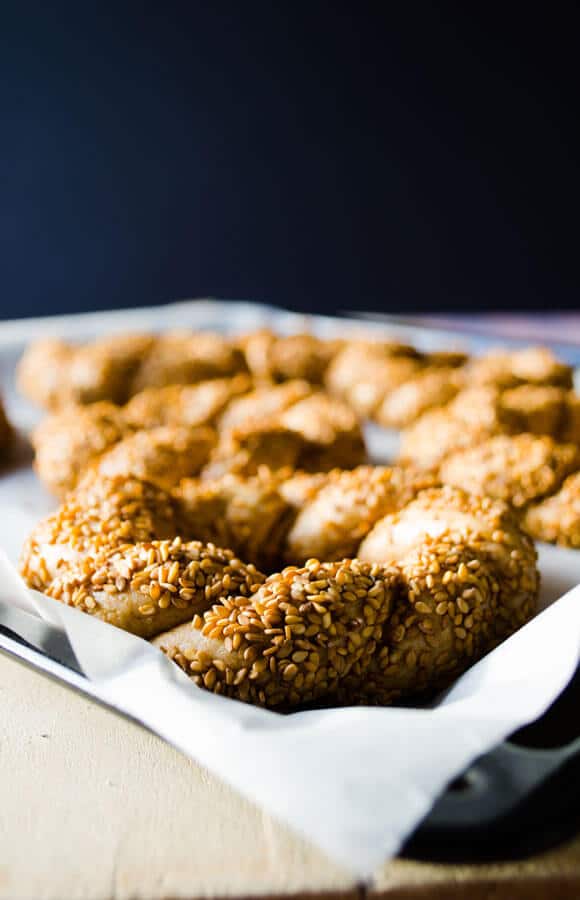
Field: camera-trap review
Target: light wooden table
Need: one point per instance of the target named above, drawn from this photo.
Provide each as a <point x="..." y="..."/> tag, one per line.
<point x="92" y="806"/>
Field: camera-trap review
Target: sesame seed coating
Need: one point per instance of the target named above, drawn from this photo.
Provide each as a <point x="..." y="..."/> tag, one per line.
<point x="363" y="377"/>
<point x="100" y="515"/>
<point x="185" y="404"/>
<point x="346" y="508"/>
<point x="149" y="587"/>
<point x="282" y="358"/>
<point x="488" y="528"/>
<point x="162" y="455"/>
<point x="465" y="422"/>
<point x="293" y="640"/>
<point x="54" y="374"/>
<point x="66" y="443"/>
<point x="536" y="409"/>
<point x="246" y="449"/>
<point x="557" y="519"/>
<point x="519" y="468"/>
<point x="183" y="357"/>
<point x="433" y="387"/>
<point x="263" y="403"/>
<point x="448" y="612"/>
<point x="42" y="373"/>
<point x="533" y="365"/>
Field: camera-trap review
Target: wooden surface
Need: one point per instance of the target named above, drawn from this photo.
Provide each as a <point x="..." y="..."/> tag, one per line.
<point x="92" y="806"/>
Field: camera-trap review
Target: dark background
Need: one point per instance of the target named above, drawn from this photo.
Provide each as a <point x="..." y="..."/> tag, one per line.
<point x="395" y="157"/>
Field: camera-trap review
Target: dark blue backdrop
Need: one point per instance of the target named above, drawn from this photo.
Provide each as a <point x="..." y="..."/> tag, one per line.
<point x="317" y="155"/>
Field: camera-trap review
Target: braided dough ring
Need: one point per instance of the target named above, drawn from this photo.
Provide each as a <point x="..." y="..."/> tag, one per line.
<point x="164" y="434"/>
<point x="438" y="581"/>
<point x="148" y="587"/>
<point x="293" y="640"/>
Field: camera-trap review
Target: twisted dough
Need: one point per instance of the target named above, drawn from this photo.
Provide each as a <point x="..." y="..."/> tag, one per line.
<point x="165" y="434"/>
<point x="439" y="579"/>
<point x="55" y="374"/>
<point x="479" y="413"/>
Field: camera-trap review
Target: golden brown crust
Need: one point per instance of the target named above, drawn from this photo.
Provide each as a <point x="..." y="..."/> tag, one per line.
<point x="42" y="373"/>
<point x="54" y="374"/>
<point x="294" y="640"/>
<point x="449" y="528"/>
<point x="188" y="405"/>
<point x="533" y="365"/>
<point x="147" y="588"/>
<point x="249" y="515"/>
<point x="517" y="468"/>
<point x="266" y="402"/>
<point x="557" y="519"/>
<point x="305" y="356"/>
<point x="442" y="621"/>
<point x="66" y="443"/>
<point x="346" y="508"/>
<point x="246" y="449"/>
<point x="162" y="455"/>
<point x="100" y="515"/>
<point x="431" y="388"/>
<point x="363" y="375"/>
<point x="536" y="409"/>
<point x="326" y="629"/>
<point x="182" y="357"/>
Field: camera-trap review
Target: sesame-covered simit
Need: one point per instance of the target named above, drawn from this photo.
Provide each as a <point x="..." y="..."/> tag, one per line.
<point x="294" y="640"/>
<point x="434" y="387"/>
<point x="101" y="515"/>
<point x="185" y="404"/>
<point x="147" y="588"/>
<point x="444" y="617"/>
<point x="163" y="455"/>
<point x="66" y="443"/>
<point x="346" y="508"/>
<point x="281" y="358"/>
<point x="519" y="468"/>
<point x="488" y="528"/>
<point x="557" y="519"/>
<point x="249" y="515"/>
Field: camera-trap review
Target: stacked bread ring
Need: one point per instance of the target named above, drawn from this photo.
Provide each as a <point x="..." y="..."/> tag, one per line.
<point x="214" y="427"/>
<point x="435" y="578"/>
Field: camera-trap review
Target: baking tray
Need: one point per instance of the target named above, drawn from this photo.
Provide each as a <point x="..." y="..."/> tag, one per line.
<point x="519" y="799"/>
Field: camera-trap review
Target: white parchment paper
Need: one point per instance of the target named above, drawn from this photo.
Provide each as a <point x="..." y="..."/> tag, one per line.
<point x="357" y="781"/>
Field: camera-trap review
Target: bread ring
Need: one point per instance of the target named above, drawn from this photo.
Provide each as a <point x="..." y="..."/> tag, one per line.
<point x="66" y="443"/>
<point x="263" y="403"/>
<point x="182" y="357"/>
<point x="533" y="365"/>
<point x="162" y="455"/>
<point x="443" y="619"/>
<point x="147" y="588"/>
<point x="101" y="515"/>
<point x="250" y="515"/>
<point x="347" y="506"/>
<point x="187" y="405"/>
<point x="289" y="426"/>
<point x="293" y="640"/>
<point x="557" y="519"/>
<point x="283" y="358"/>
<point x="90" y="555"/>
<point x="519" y="468"/>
